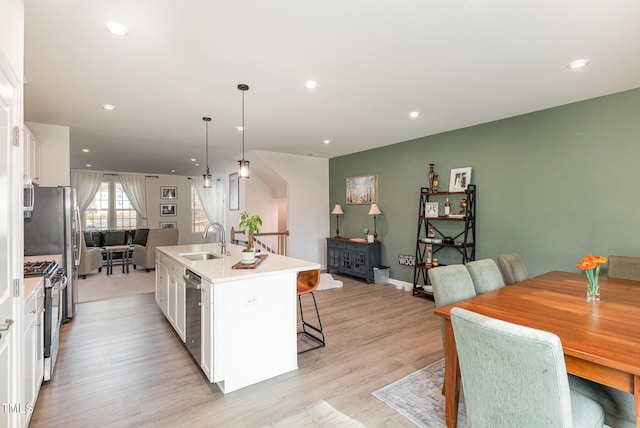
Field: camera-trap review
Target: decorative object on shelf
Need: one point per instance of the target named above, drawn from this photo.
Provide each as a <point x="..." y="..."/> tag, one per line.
<point x="463" y="206"/>
<point x="167" y="192"/>
<point x="366" y="230"/>
<point x="590" y="264"/>
<point x="431" y="176"/>
<point x="243" y="165"/>
<point x="374" y="211"/>
<point x="252" y="224"/>
<point x="460" y="179"/>
<point x="207" y="175"/>
<point x="447" y="207"/>
<point x="168" y="210"/>
<point x="431" y="233"/>
<point x="436" y="183"/>
<point x="362" y="190"/>
<point x="337" y="210"/>
<point x="431" y="209"/>
<point x="435" y="262"/>
<point x="371" y="238"/>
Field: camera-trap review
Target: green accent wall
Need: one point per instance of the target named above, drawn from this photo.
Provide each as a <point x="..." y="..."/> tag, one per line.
<point x="551" y="185"/>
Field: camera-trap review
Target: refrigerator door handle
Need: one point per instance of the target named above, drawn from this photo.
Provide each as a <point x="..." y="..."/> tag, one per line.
<point x="77" y="248"/>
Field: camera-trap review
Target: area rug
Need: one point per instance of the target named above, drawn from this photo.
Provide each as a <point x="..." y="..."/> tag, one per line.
<point x="418" y="396"/>
<point x="320" y="414"/>
<point x="327" y="282"/>
<point x="99" y="285"/>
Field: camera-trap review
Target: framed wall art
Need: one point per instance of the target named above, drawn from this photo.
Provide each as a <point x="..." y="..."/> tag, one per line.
<point x="168" y="192"/>
<point x="431" y="209"/>
<point x="234" y="192"/>
<point x="460" y="179"/>
<point x="168" y="210"/>
<point x="168" y="225"/>
<point x="362" y="189"/>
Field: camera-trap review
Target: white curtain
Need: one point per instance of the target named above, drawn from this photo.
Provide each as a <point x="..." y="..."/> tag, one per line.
<point x="135" y="188"/>
<point x="212" y="199"/>
<point x="86" y="185"/>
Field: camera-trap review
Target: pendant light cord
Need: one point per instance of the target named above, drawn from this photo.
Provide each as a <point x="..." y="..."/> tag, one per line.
<point x="243" y="124"/>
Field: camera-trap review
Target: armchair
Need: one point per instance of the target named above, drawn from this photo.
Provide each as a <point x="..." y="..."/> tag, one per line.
<point x="145" y="256"/>
<point x="90" y="259"/>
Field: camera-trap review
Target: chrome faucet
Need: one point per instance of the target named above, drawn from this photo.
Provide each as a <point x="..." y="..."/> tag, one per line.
<point x="220" y="227"/>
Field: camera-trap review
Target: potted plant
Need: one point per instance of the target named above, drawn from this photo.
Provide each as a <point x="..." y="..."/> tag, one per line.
<point x="252" y="224"/>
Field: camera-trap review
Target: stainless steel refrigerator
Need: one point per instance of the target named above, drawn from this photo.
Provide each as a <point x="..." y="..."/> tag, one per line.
<point x="54" y="228"/>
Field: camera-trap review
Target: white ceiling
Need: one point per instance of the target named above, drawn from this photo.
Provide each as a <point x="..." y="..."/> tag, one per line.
<point x="457" y="62"/>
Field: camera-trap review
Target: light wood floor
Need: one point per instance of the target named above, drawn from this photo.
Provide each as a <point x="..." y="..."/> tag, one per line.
<point x="121" y="365"/>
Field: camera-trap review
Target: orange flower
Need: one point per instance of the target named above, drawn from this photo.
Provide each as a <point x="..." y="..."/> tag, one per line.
<point x="590" y="261"/>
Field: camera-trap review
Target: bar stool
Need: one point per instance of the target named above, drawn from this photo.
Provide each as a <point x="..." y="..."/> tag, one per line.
<point x="308" y="281"/>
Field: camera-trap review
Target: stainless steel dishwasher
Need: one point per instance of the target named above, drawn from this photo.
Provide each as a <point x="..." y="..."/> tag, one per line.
<point x="193" y="328"/>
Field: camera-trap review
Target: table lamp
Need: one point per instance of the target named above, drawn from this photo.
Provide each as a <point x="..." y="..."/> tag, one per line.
<point x="337" y="210"/>
<point x="374" y="211"/>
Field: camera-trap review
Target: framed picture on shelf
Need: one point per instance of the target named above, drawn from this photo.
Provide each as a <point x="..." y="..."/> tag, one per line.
<point x="168" y="192"/>
<point x="362" y="190"/>
<point x="460" y="179"/>
<point x="168" y="210"/>
<point x="234" y="192"/>
<point x="431" y="209"/>
<point x="168" y="225"/>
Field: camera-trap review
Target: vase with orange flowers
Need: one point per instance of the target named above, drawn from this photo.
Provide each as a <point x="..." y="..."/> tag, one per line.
<point x="590" y="264"/>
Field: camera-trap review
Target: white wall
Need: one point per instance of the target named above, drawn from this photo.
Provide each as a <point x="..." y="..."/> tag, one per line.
<point x="308" y="210"/>
<point x="55" y="153"/>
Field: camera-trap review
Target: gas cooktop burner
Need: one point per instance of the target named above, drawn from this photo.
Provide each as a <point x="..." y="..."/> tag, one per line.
<point x="40" y="268"/>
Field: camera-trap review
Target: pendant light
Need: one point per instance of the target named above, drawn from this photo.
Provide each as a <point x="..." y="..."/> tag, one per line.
<point x="243" y="165"/>
<point x="207" y="175"/>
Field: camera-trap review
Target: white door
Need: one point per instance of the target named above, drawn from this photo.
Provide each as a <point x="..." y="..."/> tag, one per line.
<point x="10" y="245"/>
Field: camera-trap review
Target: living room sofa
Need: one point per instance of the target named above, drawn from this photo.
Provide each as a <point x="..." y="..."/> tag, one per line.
<point x="143" y="242"/>
<point x="145" y="255"/>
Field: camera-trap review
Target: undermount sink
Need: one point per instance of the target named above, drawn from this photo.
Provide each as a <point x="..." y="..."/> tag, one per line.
<point x="199" y="256"/>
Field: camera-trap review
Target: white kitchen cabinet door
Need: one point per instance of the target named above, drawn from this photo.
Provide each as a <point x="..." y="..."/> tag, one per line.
<point x="206" y="320"/>
<point x="162" y="287"/>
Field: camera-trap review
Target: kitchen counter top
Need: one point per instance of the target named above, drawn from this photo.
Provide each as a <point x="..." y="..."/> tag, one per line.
<point x="31" y="283"/>
<point x="219" y="269"/>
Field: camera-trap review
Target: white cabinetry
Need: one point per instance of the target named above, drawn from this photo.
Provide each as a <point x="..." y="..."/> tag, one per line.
<point x="206" y="311"/>
<point x="162" y="283"/>
<point x="32" y="156"/>
<point x="170" y="292"/>
<point x="34" y="344"/>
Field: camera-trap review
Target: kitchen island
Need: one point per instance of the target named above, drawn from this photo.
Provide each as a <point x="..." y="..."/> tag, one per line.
<point x="245" y="320"/>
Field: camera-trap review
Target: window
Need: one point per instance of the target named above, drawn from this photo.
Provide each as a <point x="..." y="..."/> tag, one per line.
<point x="198" y="219"/>
<point x="110" y="209"/>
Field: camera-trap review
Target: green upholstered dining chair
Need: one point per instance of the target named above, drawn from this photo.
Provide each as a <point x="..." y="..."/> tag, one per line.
<point x="513" y="268"/>
<point x="450" y="284"/>
<point x="619" y="406"/>
<point x="485" y="275"/>
<point x="623" y="267"/>
<point x="515" y="376"/>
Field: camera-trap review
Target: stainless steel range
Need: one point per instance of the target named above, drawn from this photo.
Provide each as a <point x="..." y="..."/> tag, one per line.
<point x="55" y="283"/>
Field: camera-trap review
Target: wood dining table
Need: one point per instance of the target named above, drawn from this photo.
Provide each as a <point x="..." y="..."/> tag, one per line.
<point x="600" y="339"/>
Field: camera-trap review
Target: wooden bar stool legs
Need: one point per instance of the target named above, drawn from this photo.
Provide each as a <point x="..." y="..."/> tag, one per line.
<point x="308" y="281"/>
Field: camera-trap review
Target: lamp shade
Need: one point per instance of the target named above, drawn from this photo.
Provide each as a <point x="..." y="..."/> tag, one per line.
<point x="337" y="210"/>
<point x="374" y="210"/>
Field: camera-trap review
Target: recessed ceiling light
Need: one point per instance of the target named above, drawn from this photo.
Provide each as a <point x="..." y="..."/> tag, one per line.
<point x="173" y="170"/>
<point x="117" y="29"/>
<point x="239" y="128"/>
<point x="414" y="114"/>
<point x="196" y="164"/>
<point x="579" y="63"/>
<point x="85" y="150"/>
<point x="88" y="165"/>
<point x="326" y="141"/>
<point x="193" y="159"/>
<point x="311" y="84"/>
<point x="108" y="107"/>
